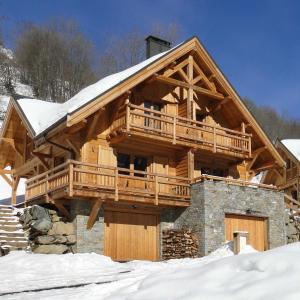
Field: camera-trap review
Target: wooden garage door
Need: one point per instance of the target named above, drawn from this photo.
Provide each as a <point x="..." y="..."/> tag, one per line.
<point x="255" y="226"/>
<point x="131" y="236"/>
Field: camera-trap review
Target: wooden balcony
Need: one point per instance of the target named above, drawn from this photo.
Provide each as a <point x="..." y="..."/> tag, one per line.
<point x="177" y="130"/>
<point x="75" y="179"/>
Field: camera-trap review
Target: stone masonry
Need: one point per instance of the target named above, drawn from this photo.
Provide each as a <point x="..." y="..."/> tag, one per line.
<point x="87" y="240"/>
<point x="212" y="200"/>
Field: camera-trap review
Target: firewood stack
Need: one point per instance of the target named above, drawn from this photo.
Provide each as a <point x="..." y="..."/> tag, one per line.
<point x="178" y="243"/>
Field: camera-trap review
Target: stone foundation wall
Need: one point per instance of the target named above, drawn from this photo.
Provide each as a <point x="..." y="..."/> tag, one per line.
<point x="210" y="201"/>
<point x="179" y="244"/>
<point x="47" y="231"/>
<point x="87" y="240"/>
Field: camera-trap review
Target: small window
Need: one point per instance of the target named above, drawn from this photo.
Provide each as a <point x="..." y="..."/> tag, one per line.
<point x="140" y="164"/>
<point x="123" y="161"/>
<point x="200" y="117"/>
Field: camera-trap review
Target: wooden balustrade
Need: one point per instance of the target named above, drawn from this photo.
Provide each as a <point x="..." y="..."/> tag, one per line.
<point x="75" y="175"/>
<point x="233" y="181"/>
<point x="179" y="129"/>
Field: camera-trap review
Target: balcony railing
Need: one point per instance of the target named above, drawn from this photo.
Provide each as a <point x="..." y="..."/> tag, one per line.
<point x="136" y="119"/>
<point x="91" y="180"/>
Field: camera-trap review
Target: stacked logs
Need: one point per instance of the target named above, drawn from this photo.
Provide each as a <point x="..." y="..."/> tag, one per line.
<point x="178" y="243"/>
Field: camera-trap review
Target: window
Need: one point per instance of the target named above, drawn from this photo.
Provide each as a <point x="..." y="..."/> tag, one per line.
<point x="200" y="117"/>
<point x="123" y="161"/>
<point x="149" y="122"/>
<point x="140" y="164"/>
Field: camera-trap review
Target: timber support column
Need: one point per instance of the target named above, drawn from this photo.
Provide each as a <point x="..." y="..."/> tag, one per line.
<point x="191" y="156"/>
<point x="15" y="183"/>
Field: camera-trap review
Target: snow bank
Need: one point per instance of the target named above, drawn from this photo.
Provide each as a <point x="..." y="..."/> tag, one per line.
<point x="272" y="275"/>
<point x="293" y="145"/>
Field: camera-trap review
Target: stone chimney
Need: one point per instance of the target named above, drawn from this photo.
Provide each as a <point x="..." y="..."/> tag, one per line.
<point x="155" y="45"/>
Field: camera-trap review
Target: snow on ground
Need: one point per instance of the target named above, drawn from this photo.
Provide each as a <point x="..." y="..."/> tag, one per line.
<point x="273" y="275"/>
<point x="293" y="146"/>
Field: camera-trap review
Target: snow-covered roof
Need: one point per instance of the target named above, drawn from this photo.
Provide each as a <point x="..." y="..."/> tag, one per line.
<point x="293" y="145"/>
<point x="41" y="114"/>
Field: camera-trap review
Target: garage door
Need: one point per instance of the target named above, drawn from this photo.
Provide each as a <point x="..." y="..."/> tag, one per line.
<point x="255" y="226"/>
<point x="131" y="236"/>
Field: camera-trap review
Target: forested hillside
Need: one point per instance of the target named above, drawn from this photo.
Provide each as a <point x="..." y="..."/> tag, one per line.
<point x="276" y="125"/>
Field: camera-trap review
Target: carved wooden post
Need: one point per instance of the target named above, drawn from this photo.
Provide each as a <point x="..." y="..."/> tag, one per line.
<point x="116" y="184"/>
<point x="174" y="130"/>
<point x="71" y="179"/>
<point x="127" y="116"/>
<point x="215" y="140"/>
<point x="156" y="189"/>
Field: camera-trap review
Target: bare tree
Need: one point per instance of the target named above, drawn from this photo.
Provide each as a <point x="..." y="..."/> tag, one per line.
<point x="55" y="59"/>
<point x="123" y="52"/>
<point x="281" y="126"/>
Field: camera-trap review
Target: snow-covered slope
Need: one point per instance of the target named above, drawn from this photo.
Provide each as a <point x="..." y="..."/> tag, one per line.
<point x="273" y="275"/>
<point x="293" y="145"/>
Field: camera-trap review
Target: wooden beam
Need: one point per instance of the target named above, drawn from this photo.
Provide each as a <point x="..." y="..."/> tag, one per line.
<point x="76" y="127"/>
<point x="175" y="69"/>
<point x="265" y="167"/>
<point x="210" y="85"/>
<point x="11" y="142"/>
<point x="6" y="171"/>
<point x="45" y="155"/>
<point x="255" y="155"/>
<point x="62" y="209"/>
<point x="73" y="146"/>
<point x="42" y="160"/>
<point x="15" y="183"/>
<point x="7" y="179"/>
<point x="94" y="212"/>
<point x="93" y="124"/>
<point x="190" y="95"/>
<point x="197" y="89"/>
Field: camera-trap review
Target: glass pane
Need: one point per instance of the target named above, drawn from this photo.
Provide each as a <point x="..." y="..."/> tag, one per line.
<point x="140" y="164"/>
<point x="123" y="161"/>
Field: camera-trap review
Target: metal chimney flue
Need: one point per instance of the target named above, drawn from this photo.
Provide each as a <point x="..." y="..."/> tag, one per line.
<point x="155" y="45"/>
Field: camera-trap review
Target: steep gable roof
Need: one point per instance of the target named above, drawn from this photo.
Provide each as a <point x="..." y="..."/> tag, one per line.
<point x="97" y="95"/>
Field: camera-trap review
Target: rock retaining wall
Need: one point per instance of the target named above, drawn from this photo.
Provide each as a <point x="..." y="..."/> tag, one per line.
<point x="48" y="232"/>
<point x="292" y="224"/>
<point x="179" y="244"/>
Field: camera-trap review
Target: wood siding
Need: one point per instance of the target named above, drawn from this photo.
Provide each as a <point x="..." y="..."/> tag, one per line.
<point x="131" y="236"/>
<point x="255" y="226"/>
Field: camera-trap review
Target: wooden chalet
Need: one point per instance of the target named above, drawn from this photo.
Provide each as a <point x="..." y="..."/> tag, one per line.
<point x="140" y="137"/>
<point x="289" y="180"/>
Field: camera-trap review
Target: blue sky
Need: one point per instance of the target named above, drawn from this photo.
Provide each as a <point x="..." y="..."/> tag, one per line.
<point x="255" y="43"/>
